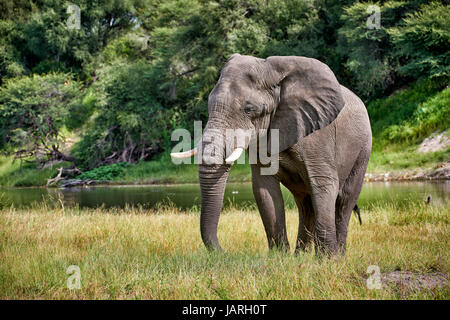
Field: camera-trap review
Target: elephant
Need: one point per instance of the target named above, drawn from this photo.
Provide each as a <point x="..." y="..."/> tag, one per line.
<point x="325" y="141"/>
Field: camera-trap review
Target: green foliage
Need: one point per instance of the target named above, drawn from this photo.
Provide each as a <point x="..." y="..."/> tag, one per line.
<point x="132" y="46"/>
<point x="131" y="122"/>
<point x="409" y="44"/>
<point x="34" y="110"/>
<point x="401" y="121"/>
<point x="102" y="173"/>
<point x="10" y="64"/>
<point x="411" y="114"/>
<point x="423" y="41"/>
<point x="433" y="114"/>
<point x="17" y="9"/>
<point x="45" y="43"/>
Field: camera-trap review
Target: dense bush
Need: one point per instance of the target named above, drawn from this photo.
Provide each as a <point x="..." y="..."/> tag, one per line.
<point x="103" y="173"/>
<point x="10" y="62"/>
<point x="44" y="42"/>
<point x="411" y="43"/>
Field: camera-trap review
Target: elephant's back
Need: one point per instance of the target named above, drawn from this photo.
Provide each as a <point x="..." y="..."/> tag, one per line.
<point x="353" y="120"/>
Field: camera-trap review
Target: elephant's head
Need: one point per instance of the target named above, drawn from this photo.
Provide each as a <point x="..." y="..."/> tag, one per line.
<point x="295" y="95"/>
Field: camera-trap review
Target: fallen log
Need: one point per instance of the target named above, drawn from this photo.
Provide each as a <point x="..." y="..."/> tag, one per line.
<point x="63" y="174"/>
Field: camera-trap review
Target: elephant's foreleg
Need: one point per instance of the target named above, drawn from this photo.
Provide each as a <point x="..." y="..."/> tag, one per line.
<point x="306" y="222"/>
<point x="269" y="199"/>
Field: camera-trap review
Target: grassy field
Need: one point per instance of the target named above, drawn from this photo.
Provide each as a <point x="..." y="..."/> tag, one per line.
<point x="399" y="159"/>
<point x="138" y="254"/>
<point x="13" y="174"/>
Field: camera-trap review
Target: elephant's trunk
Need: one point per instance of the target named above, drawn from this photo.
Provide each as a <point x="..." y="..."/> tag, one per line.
<point x="212" y="174"/>
<point x="212" y="184"/>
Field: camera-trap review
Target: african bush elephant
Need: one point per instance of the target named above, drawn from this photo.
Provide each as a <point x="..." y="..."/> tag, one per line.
<point x="325" y="142"/>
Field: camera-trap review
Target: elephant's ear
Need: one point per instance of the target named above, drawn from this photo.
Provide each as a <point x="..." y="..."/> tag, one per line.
<point x="310" y="98"/>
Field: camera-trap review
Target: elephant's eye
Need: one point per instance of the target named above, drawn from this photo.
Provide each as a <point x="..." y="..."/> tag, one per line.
<point x="250" y="108"/>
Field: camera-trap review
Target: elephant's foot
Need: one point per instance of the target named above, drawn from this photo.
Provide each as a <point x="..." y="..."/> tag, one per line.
<point x="280" y="243"/>
<point x="303" y="244"/>
<point x="342" y="249"/>
<point x="325" y="246"/>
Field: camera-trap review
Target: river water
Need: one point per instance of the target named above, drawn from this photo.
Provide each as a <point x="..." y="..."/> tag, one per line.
<point x="188" y="195"/>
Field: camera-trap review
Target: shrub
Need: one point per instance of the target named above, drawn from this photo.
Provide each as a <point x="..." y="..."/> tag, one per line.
<point x="410" y="44"/>
<point x="107" y="172"/>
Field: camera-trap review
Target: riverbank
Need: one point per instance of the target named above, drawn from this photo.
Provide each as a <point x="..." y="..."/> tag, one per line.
<point x="440" y="172"/>
<point x="162" y="171"/>
<point x="146" y="254"/>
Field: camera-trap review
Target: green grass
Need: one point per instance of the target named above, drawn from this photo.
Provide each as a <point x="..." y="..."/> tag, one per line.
<point x="398" y="160"/>
<point x="410" y="115"/>
<point x="139" y="254"/>
<point x="402" y="121"/>
<point x="13" y="175"/>
<point x="161" y="170"/>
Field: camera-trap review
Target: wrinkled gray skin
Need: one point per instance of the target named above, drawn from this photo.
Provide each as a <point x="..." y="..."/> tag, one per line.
<point x="325" y="144"/>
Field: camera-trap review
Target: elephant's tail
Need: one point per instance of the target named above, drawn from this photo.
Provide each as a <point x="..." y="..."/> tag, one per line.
<point x="356" y="209"/>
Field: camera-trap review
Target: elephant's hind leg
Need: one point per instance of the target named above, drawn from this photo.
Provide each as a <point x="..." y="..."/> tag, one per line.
<point x="344" y="209"/>
<point x="306" y="222"/>
<point x="323" y="200"/>
<point x="347" y="198"/>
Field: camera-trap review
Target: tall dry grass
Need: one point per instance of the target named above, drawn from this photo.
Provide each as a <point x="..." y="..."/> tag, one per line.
<point x="138" y="254"/>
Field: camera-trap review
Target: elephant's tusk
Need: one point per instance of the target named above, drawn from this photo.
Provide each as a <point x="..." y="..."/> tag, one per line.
<point x="234" y="155"/>
<point x="185" y="154"/>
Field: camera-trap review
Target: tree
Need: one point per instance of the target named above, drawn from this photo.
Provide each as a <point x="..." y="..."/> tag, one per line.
<point x="422" y="41"/>
<point x="375" y="58"/>
<point x="46" y="43"/>
<point x="33" y="112"/>
<point x="131" y="123"/>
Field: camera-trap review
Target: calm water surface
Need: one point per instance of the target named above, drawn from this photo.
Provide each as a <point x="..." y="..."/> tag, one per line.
<point x="188" y="195"/>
